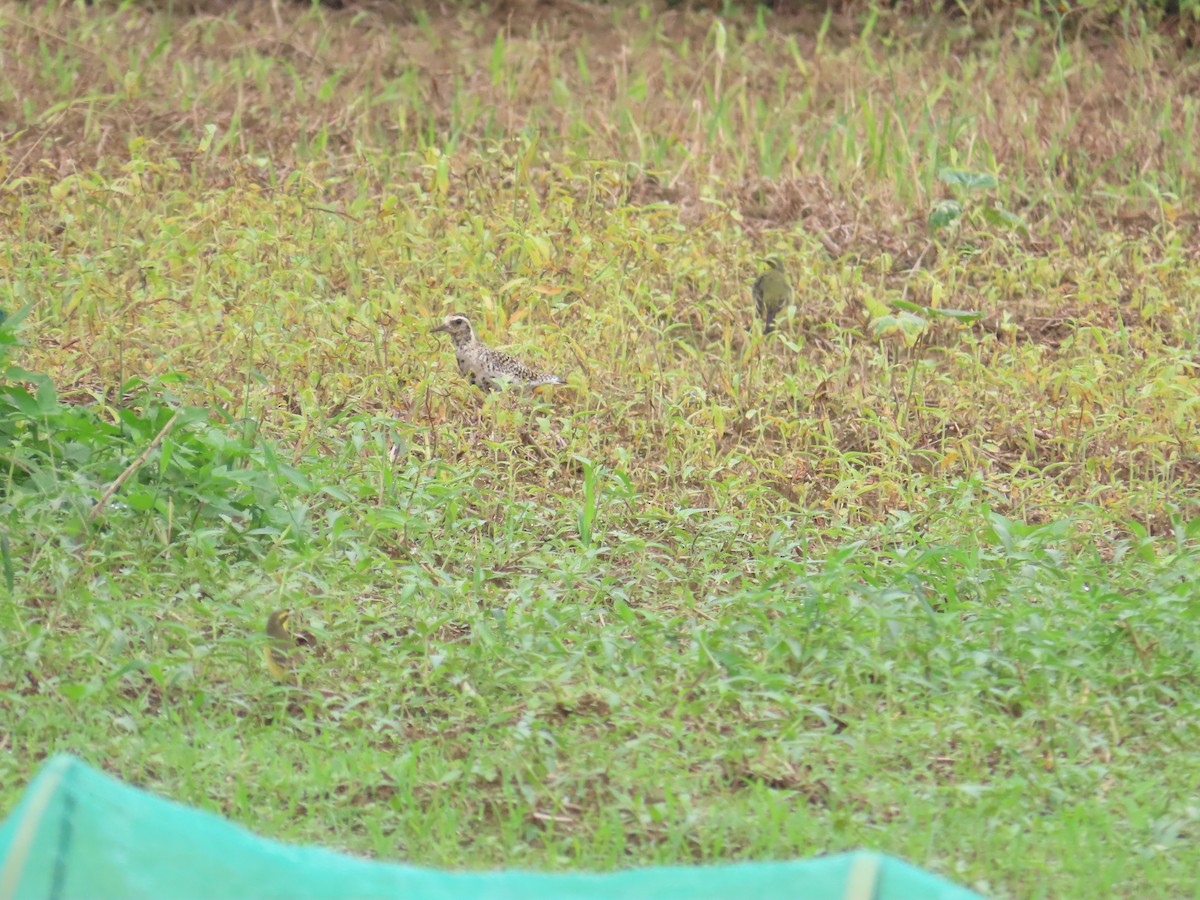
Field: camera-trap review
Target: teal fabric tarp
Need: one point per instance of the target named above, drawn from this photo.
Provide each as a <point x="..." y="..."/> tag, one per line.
<point x="76" y="833"/>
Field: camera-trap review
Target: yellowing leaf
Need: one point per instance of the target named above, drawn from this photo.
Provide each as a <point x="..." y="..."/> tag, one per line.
<point x="539" y="250"/>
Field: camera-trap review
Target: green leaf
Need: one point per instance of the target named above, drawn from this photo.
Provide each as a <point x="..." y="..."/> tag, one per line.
<point x="16" y="373"/>
<point x="622" y="611"/>
<point x="877" y="308"/>
<point x="24" y="402"/>
<point x="496" y="64"/>
<point x="970" y="180"/>
<point x="141" y="499"/>
<point x="960" y="315"/>
<point x="1000" y="217"/>
<point x="210" y="131"/>
<point x="718" y="30"/>
<point x="6" y="560"/>
<point x="325" y="91"/>
<point x="906" y="325"/>
<point x="943" y="213"/>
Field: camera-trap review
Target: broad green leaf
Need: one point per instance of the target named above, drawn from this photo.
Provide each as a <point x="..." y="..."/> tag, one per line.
<point x="1002" y="218"/>
<point x="970" y="180"/>
<point x="943" y="213"/>
<point x="906" y="325"/>
<point x="961" y="315"/>
<point x="141" y="499"/>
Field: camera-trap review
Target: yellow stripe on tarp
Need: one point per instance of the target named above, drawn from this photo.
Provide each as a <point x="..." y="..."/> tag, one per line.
<point x="863" y="881"/>
<point x="31" y="821"/>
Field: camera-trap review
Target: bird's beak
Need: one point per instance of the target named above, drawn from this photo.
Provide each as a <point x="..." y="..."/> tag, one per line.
<point x="441" y="327"/>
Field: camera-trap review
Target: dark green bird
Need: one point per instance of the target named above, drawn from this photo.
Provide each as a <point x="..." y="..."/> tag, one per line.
<point x="772" y="292"/>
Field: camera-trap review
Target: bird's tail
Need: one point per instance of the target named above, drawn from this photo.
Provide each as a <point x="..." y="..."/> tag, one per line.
<point x="543" y="381"/>
<point x="769" y="321"/>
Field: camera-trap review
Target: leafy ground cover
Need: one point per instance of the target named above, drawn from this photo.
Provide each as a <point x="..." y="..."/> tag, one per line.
<point x="915" y="573"/>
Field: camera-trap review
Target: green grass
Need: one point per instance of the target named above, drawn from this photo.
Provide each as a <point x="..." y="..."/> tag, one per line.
<point x="915" y="574"/>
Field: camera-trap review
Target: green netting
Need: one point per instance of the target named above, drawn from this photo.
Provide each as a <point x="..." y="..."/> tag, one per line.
<point x="77" y="833"/>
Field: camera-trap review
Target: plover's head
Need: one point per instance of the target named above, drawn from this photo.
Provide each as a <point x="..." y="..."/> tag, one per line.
<point x="458" y="327"/>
